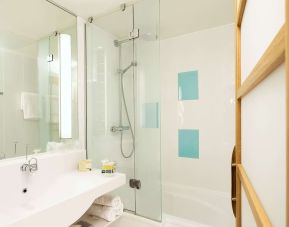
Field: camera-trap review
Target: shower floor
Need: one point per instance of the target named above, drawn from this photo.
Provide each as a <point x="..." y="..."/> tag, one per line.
<point x="130" y="220"/>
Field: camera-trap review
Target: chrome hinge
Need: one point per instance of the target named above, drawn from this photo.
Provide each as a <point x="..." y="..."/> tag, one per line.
<point x="134" y="34"/>
<point x="50" y="58"/>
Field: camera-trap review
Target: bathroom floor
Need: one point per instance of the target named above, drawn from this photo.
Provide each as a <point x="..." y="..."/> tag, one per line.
<point x="135" y="221"/>
<point x="169" y="221"/>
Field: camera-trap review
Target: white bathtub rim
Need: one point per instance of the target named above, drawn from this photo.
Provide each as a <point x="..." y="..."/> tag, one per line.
<point x="199" y="201"/>
<point x="168" y="186"/>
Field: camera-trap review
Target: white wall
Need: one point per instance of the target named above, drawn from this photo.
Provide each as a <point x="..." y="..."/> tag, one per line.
<point x="263" y="113"/>
<point x="199" y="189"/>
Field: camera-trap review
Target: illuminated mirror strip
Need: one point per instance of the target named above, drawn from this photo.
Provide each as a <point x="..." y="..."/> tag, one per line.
<point x="65" y="87"/>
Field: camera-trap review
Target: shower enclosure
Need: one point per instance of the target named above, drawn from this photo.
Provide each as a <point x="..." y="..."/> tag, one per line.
<point x="123" y="101"/>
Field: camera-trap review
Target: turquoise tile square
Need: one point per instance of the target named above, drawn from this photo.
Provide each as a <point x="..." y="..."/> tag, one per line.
<point x="188" y="85"/>
<point x="151" y="115"/>
<point x="189" y="143"/>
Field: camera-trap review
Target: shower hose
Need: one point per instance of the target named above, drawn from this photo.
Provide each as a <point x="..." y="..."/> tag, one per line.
<point x="129" y="124"/>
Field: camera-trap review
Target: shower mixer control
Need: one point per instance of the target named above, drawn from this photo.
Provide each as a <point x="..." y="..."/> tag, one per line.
<point x="119" y="128"/>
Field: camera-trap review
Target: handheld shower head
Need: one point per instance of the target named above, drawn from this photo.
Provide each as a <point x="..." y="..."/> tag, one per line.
<point x="123" y="71"/>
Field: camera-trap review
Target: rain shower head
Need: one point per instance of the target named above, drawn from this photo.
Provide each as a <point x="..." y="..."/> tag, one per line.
<point x="135" y="34"/>
<point x="118" y="43"/>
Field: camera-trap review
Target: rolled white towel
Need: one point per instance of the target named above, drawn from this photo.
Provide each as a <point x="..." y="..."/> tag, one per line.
<point x="104" y="212"/>
<point x="108" y="200"/>
<point x="119" y="209"/>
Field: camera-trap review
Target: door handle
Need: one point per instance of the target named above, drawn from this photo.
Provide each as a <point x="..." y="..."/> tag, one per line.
<point x="233" y="181"/>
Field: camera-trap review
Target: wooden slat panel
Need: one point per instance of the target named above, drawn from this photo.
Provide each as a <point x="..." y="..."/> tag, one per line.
<point x="259" y="213"/>
<point x="238" y="127"/>
<point x="271" y="59"/>
<point x="240" y="11"/>
<point x="239" y="15"/>
<point x="287" y="109"/>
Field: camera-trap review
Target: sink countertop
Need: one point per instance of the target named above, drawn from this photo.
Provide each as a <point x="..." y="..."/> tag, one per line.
<point x="62" y="202"/>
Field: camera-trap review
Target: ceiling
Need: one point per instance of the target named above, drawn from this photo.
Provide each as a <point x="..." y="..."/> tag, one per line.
<point x="177" y="16"/>
<point x="184" y="16"/>
<point x="35" y="19"/>
<point x="23" y="22"/>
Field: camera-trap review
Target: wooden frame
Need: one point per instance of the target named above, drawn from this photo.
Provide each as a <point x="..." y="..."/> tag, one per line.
<point x="273" y="57"/>
<point x="276" y="54"/>
<point x="287" y="107"/>
<point x="255" y="203"/>
<point x="241" y="4"/>
<point x="240" y="7"/>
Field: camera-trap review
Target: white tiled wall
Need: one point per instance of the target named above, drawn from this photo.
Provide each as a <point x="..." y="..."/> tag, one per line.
<point x="199" y="189"/>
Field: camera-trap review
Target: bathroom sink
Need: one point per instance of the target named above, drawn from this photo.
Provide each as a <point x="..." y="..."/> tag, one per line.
<point x="48" y="198"/>
<point x="62" y="202"/>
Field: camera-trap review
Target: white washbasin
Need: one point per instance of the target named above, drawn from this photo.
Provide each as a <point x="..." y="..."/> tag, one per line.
<point x="52" y="200"/>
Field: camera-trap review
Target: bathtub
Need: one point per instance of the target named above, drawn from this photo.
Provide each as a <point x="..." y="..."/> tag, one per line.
<point x="200" y="206"/>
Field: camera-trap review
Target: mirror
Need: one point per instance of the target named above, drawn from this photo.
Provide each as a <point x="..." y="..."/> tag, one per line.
<point x="38" y="78"/>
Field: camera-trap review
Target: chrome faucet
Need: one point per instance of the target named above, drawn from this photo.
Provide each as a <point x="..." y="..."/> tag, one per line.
<point x="31" y="166"/>
<point x="15" y="146"/>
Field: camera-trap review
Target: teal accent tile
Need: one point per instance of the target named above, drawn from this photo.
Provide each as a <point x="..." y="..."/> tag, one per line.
<point x="188" y="85"/>
<point x="151" y="115"/>
<point x="189" y="143"/>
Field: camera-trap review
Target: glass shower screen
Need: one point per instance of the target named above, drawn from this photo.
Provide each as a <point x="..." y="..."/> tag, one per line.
<point x="123" y="101"/>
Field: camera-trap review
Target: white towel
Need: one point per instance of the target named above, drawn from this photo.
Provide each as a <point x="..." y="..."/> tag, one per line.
<point x="30" y="105"/>
<point x="119" y="209"/>
<point x="104" y="212"/>
<point x="108" y="200"/>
